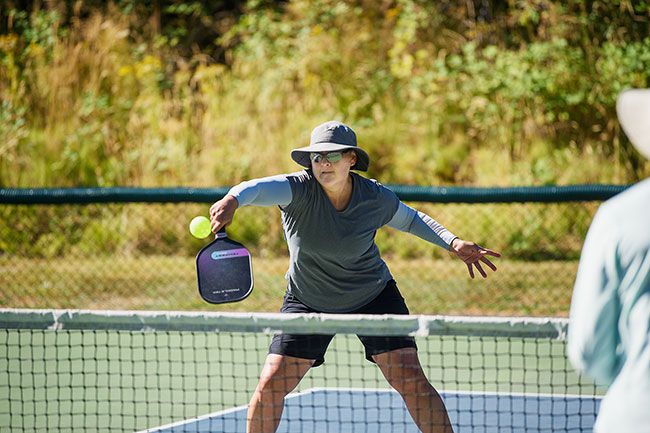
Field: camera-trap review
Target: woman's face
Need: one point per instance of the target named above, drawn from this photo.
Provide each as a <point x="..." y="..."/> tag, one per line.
<point x="331" y="170"/>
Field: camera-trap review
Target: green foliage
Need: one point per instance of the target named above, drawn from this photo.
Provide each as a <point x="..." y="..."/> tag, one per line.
<point x="106" y="95"/>
<point x="207" y="93"/>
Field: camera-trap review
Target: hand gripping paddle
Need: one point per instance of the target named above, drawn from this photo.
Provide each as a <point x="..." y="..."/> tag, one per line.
<point x="224" y="270"/>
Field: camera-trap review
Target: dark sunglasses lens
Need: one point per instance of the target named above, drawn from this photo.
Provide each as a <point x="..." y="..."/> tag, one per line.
<point x="334" y="156"/>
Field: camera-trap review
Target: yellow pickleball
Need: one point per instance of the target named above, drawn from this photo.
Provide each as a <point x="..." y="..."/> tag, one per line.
<point x="200" y="227"/>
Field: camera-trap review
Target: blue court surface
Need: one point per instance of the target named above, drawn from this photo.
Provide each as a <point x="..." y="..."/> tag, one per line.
<point x="342" y="410"/>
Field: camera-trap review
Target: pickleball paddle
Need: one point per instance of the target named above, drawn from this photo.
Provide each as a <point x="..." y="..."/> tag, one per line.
<point x="224" y="270"/>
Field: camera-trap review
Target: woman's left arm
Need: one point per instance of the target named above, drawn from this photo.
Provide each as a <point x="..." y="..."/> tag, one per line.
<point x="423" y="226"/>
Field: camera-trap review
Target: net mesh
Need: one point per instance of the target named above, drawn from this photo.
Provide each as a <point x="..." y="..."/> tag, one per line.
<point x="169" y="371"/>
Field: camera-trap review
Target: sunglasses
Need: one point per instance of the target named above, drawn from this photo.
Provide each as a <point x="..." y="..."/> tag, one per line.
<point x="331" y="157"/>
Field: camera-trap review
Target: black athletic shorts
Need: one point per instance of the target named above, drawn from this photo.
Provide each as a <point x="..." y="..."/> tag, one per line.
<point x="389" y="301"/>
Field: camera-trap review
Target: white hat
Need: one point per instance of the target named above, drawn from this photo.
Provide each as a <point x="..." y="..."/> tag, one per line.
<point x="633" y="109"/>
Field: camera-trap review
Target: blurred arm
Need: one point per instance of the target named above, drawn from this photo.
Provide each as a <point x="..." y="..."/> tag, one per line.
<point x="593" y="340"/>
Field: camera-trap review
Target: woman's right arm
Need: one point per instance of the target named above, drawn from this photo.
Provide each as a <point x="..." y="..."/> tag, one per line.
<point x="266" y="191"/>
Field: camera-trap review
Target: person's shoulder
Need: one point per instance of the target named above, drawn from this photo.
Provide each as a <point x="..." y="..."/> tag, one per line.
<point x="374" y="191"/>
<point x="625" y="216"/>
<point x="300" y="179"/>
<point x="302" y="185"/>
<point x="634" y="202"/>
<point x="372" y="186"/>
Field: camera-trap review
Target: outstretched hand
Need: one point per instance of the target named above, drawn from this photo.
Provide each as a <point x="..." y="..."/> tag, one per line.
<point x="473" y="255"/>
<point x="222" y="212"/>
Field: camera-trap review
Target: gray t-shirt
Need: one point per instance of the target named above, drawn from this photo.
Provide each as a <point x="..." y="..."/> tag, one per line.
<point x="335" y="265"/>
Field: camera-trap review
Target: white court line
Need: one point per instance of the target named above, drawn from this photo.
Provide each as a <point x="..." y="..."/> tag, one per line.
<point x="448" y="392"/>
<point x="218" y="413"/>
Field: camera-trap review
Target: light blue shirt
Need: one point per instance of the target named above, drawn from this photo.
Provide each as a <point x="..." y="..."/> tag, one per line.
<point x="334" y="264"/>
<point x="609" y="332"/>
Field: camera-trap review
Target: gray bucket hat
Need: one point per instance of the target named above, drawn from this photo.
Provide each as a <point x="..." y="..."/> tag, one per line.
<point x="330" y="137"/>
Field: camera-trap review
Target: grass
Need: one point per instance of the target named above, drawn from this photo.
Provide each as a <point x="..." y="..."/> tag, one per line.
<point x="429" y="286"/>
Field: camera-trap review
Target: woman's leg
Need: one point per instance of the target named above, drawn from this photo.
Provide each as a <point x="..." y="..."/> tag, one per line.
<point x="280" y="375"/>
<point x="403" y="371"/>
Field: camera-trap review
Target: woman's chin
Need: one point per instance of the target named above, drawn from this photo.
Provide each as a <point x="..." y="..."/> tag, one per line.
<point x="326" y="178"/>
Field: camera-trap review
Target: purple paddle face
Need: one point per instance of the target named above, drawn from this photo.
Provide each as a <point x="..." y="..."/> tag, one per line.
<point x="224" y="271"/>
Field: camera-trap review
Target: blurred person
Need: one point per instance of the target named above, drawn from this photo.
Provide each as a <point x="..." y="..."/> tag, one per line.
<point x="609" y="332"/>
<point x="330" y="216"/>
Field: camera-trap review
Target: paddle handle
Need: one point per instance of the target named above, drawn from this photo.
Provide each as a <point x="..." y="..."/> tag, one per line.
<point x="221" y="233"/>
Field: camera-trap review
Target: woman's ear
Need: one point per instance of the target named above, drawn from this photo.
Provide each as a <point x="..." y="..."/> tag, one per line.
<point x="353" y="159"/>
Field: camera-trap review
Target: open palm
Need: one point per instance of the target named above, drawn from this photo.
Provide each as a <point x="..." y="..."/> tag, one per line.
<point x="472" y="255"/>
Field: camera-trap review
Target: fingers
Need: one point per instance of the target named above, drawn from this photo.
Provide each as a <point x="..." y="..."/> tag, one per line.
<point x="222" y="212"/>
<point x="471" y="271"/>
<point x="219" y="216"/>
<point x="473" y="254"/>
<point x="480" y="269"/>
<point x="477" y="263"/>
<point x="487" y="252"/>
<point x="217" y="222"/>
<point x="215" y="225"/>
<point x="492" y="253"/>
<point x="489" y="263"/>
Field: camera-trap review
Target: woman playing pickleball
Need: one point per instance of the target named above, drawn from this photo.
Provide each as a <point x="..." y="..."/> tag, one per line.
<point x="330" y="216"/>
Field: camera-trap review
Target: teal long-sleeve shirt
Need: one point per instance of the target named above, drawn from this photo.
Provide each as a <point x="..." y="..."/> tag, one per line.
<point x="609" y="332"/>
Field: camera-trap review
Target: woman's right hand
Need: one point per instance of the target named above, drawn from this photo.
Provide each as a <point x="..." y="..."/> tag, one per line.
<point x="222" y="212"/>
<point x="473" y="255"/>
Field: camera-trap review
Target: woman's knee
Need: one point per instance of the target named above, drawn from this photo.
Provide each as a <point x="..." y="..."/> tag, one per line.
<point x="410" y="381"/>
<point x="281" y="374"/>
<point x="270" y="390"/>
<point x="403" y="371"/>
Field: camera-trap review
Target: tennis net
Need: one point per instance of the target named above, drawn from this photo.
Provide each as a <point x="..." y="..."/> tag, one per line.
<point x="72" y="370"/>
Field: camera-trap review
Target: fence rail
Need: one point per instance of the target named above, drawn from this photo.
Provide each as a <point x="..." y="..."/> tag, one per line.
<point x="452" y="194"/>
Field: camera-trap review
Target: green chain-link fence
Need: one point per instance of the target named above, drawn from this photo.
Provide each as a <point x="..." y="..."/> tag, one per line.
<point x="126" y="248"/>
